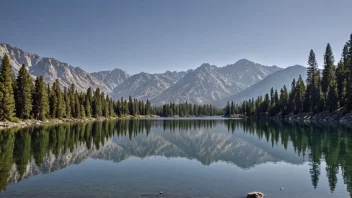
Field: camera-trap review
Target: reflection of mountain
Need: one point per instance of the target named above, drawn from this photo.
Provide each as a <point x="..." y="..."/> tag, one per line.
<point x="52" y="163"/>
<point x="203" y="145"/>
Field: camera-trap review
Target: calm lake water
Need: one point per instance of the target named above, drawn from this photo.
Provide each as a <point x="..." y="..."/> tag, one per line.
<point x="208" y="157"/>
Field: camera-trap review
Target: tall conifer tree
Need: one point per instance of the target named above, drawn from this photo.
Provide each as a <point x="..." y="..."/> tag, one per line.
<point x="40" y="99"/>
<point x="97" y="109"/>
<point x="328" y="71"/>
<point x="311" y="96"/>
<point x="7" y="101"/>
<point x="24" y="94"/>
<point x="349" y="75"/>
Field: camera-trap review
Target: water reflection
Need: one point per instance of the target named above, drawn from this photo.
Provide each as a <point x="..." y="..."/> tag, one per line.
<point x="32" y="151"/>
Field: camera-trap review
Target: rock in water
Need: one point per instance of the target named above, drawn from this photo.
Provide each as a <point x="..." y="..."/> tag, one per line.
<point x="255" y="195"/>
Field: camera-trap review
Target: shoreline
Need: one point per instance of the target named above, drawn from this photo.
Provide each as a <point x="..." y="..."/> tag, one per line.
<point x="338" y="116"/>
<point x="31" y="122"/>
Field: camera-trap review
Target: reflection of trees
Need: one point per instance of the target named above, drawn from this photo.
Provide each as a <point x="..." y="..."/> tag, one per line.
<point x="7" y="141"/>
<point x="332" y="143"/>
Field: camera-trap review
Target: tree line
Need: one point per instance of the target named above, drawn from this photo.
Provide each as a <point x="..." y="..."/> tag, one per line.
<point x="186" y="109"/>
<point x="323" y="91"/>
<point x="21" y="98"/>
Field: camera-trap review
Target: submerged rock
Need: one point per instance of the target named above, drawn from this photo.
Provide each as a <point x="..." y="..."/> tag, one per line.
<point x="255" y="195"/>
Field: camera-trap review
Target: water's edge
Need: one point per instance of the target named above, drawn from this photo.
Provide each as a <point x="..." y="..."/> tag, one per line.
<point x="31" y="123"/>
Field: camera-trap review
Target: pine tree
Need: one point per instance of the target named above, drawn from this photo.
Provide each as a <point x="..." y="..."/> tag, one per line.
<point x="312" y="67"/>
<point x="88" y="102"/>
<point x="7" y="104"/>
<point x="310" y="101"/>
<point x="52" y="103"/>
<point x="232" y="109"/>
<point x="291" y="99"/>
<point x="97" y="108"/>
<point x="78" y="109"/>
<point x="276" y="102"/>
<point x="320" y="97"/>
<point x="83" y="111"/>
<point x="88" y="108"/>
<point x="106" y="106"/>
<point x="40" y="99"/>
<point x="328" y="71"/>
<point x="227" y="109"/>
<point x="111" y="107"/>
<point x="58" y="93"/>
<point x="349" y="75"/>
<point x="24" y="93"/>
<point x="125" y="107"/>
<point x="131" y="108"/>
<point x="71" y="93"/>
<point x="272" y="101"/>
<point x="147" y="108"/>
<point x="332" y="100"/>
<point x="67" y="103"/>
<point x="341" y="76"/>
<point x="299" y="93"/>
<point x="283" y="100"/>
<point x="266" y="103"/>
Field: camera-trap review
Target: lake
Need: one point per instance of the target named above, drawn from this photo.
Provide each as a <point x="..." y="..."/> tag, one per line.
<point x="198" y="157"/>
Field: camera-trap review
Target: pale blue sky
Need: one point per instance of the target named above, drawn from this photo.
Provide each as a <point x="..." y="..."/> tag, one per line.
<point x="159" y="35"/>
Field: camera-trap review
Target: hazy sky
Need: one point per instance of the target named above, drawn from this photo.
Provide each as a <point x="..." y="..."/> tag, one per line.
<point x="159" y="35"/>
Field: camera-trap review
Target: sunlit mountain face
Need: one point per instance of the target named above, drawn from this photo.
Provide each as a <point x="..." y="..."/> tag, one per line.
<point x="322" y="152"/>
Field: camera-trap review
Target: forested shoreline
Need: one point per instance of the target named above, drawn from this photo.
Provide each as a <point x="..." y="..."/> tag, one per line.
<point x="23" y="99"/>
<point x="325" y="93"/>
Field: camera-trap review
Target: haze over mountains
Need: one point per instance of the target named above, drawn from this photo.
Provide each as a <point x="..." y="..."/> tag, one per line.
<point x="205" y="84"/>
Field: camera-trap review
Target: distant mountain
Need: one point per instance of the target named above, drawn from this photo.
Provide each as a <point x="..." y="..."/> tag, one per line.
<point x="276" y="80"/>
<point x="51" y="69"/>
<point x="206" y="84"/>
<point x="111" y="78"/>
<point x="245" y="73"/>
<point x="145" y="86"/>
<point x="209" y="83"/>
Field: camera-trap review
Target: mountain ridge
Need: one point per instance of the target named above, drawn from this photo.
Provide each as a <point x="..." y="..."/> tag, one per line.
<point x="276" y="80"/>
<point x="205" y="84"/>
<point x="51" y="69"/>
<point x="209" y="83"/>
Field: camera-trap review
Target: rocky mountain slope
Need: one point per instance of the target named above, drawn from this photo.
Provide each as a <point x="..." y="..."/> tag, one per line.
<point x="51" y="69"/>
<point x="209" y="83"/>
<point x="276" y="80"/>
<point x="111" y="78"/>
<point x="145" y="86"/>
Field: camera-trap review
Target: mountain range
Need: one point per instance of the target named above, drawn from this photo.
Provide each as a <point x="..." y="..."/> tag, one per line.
<point x="276" y="80"/>
<point x="205" y="84"/>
